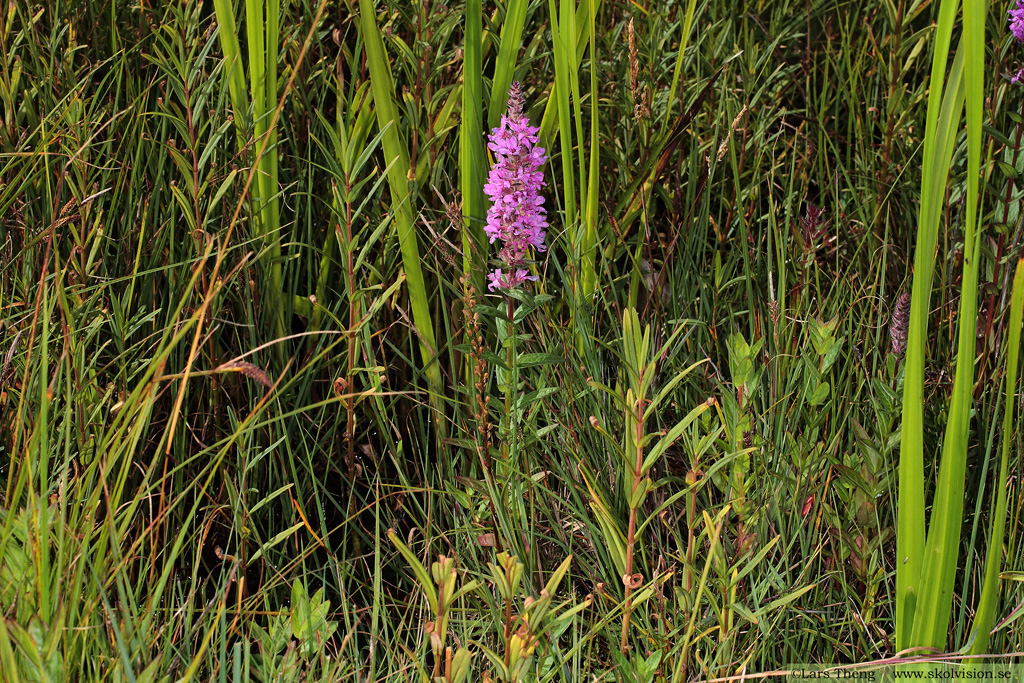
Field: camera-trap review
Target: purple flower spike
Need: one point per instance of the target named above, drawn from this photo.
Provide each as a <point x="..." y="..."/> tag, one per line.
<point x="517" y="214"/>
<point x="1017" y="77"/>
<point x="1017" y="20"/>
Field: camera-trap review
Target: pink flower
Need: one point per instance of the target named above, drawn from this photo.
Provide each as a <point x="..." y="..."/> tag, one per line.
<point x="507" y="280"/>
<point x="1017" y="77"/>
<point x="1017" y="20"/>
<point x="517" y="214"/>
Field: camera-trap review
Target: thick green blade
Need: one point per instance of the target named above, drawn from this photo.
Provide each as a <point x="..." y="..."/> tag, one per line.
<point x="943" y="116"/>
<point x="397" y="158"/>
<point x="986" y="615"/>
<point x="508" y="55"/>
<point x="931" y="626"/>
<point x="472" y="161"/>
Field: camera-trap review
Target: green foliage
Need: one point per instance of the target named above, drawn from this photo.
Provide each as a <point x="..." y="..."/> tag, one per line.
<point x="675" y="456"/>
<point x="986" y="616"/>
<point x="401" y="179"/>
<point x="310" y="625"/>
<point x="926" y="570"/>
<point x="262" y="26"/>
<point x="472" y="163"/>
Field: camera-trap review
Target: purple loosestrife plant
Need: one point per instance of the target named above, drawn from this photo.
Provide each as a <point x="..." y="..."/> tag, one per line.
<point x="517" y="214"/>
<point x="1017" y="20"/>
<point x="1017" y="28"/>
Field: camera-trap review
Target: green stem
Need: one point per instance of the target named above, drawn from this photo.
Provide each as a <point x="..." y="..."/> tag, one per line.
<point x="638" y="436"/>
<point x="510" y="384"/>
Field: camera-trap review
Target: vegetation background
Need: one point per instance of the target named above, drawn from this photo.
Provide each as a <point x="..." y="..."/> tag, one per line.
<point x="260" y="418"/>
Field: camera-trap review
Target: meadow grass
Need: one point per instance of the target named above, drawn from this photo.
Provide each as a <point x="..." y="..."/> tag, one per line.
<point x="261" y="417"/>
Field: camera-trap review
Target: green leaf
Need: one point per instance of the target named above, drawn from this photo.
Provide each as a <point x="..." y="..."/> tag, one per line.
<point x="942" y="548"/>
<point x="985" y="617"/>
<point x="1008" y="170"/>
<point x="461" y="666"/>
<point x="278" y="538"/>
<point x="667" y="389"/>
<point x="551" y="587"/>
<point x="744" y="612"/>
<point x="788" y="598"/>
<point x="674" y="434"/>
<point x="642" y="488"/>
<point x="497" y="661"/>
<point x="823" y="335"/>
<point x="300" y="611"/>
<point x="562" y="44"/>
<point x="944" y="107"/>
<point x="613" y="537"/>
<point x="536" y="396"/>
<point x="530" y="360"/>
<point x="820" y="394"/>
<point x="833" y="353"/>
<point x="422" y="577"/>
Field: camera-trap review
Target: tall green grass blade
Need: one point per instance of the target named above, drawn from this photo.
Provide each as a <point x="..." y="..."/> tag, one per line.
<point x="986" y="614"/>
<point x="508" y="55"/>
<point x="567" y="26"/>
<point x="472" y="161"/>
<point x="550" y="120"/>
<point x="564" y="20"/>
<point x="41" y="545"/>
<point x="561" y="97"/>
<point x="943" y="545"/>
<point x="942" y="119"/>
<point x="261" y="29"/>
<point x="262" y="34"/>
<point x="271" y="216"/>
<point x="684" y="40"/>
<point x="228" y="34"/>
<point x="397" y="158"/>
<point x="589" y="251"/>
